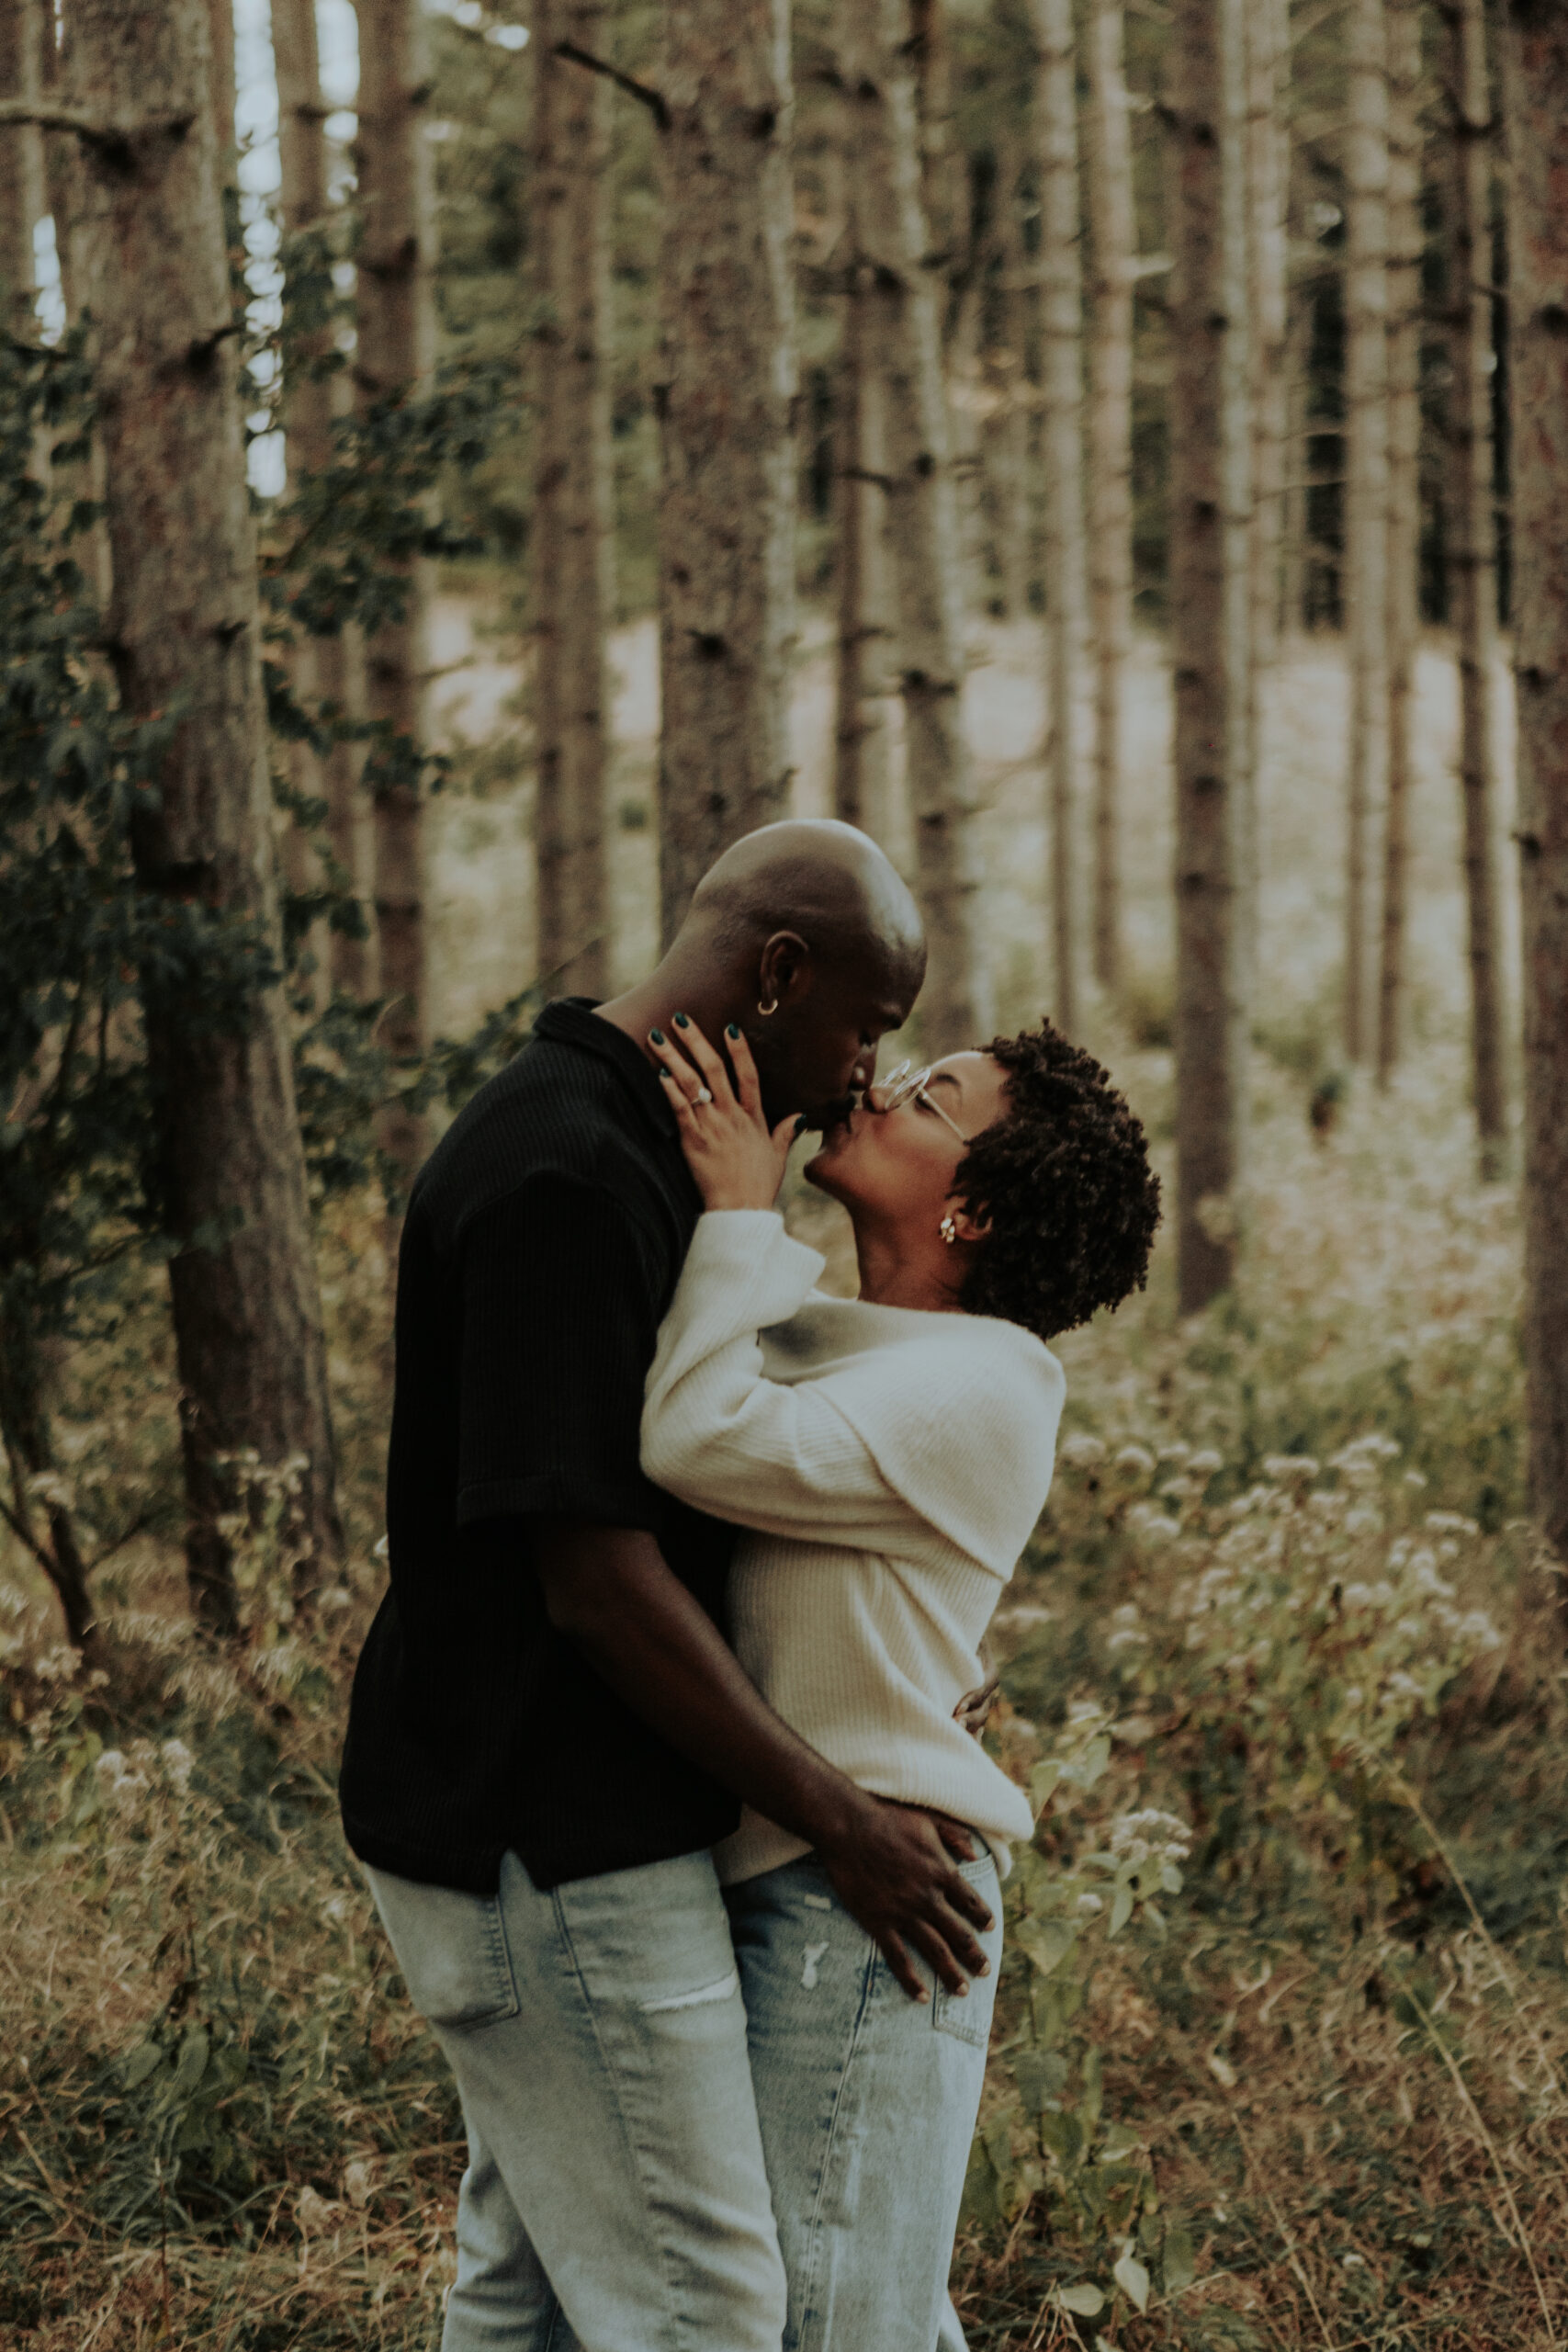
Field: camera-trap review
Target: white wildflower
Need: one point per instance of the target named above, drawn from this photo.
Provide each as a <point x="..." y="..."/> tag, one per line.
<point x="1477" y="1627"/>
<point x="1081" y="1451"/>
<point x="1361" y="1522"/>
<point x="1089" y="1903"/>
<point x="1204" y="1463"/>
<point x="1126" y="1637"/>
<point x="1449" y="1522"/>
<point x="1135" y="1462"/>
<point x="178" y="1763"/>
<point x="1290" y="1469"/>
<point x="1135" y="1836"/>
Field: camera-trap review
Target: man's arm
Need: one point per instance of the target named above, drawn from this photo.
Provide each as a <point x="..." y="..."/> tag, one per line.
<point x="610" y="1591"/>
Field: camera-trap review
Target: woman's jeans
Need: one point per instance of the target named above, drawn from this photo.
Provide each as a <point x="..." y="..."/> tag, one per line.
<point x="615" y="2198"/>
<point x="867" y="2102"/>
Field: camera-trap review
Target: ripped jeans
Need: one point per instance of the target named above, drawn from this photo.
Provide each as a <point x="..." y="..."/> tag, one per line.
<point x="867" y="2104"/>
<point x="615" y="2198"/>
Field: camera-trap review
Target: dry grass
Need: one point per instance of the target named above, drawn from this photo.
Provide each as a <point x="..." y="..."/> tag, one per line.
<point x="1330" y="2067"/>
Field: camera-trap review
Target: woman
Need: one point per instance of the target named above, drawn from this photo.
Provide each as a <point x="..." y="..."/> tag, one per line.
<point x="889" y="1456"/>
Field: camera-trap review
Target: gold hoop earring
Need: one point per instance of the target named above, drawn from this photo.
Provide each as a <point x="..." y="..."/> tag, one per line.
<point x="767" y="1011"/>
<point x="948" y="1230"/>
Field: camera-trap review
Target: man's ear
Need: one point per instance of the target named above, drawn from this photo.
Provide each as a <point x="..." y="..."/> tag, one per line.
<point x="783" y="973"/>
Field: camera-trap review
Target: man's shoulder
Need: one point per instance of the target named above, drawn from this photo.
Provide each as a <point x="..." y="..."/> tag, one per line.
<point x="551" y="1113"/>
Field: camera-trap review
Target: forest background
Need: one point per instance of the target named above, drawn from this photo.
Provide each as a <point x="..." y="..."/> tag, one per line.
<point x="458" y="468"/>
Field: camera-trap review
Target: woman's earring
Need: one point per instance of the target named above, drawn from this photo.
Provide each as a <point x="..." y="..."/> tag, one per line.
<point x="948" y="1230"/>
<point x="765" y="1009"/>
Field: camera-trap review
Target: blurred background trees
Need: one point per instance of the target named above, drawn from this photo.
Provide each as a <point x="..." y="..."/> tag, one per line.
<point x="1173" y="341"/>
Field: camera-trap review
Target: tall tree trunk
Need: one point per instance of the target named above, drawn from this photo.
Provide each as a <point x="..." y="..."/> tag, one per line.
<point x="1473" y="560"/>
<point x="1012" y="505"/>
<point x="1268" y="35"/>
<point x="23" y="196"/>
<point x="330" y="669"/>
<point x="572" y="541"/>
<point x="860" y="732"/>
<point x="1366" y="496"/>
<point x="1061" y="320"/>
<point x="395" y="354"/>
<point x="1404" y="247"/>
<point x="185" y="625"/>
<point x="1114" y="235"/>
<point x="1538" y="244"/>
<point x="922" y="529"/>
<point x="726" y="504"/>
<point x="1210" y="588"/>
<point x="221" y="20"/>
<point x="43" y="1523"/>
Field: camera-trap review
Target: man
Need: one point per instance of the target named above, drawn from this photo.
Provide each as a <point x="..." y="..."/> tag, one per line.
<point x="547" y="1729"/>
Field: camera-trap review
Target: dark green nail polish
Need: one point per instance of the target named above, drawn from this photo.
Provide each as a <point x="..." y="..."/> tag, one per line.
<point x="655" y="1036"/>
<point x="732" y="1029"/>
<point x="682" y="1021"/>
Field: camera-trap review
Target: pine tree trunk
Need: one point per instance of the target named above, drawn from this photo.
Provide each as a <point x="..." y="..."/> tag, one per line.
<point x="397" y="354"/>
<point x="221" y="20"/>
<point x="727" y="503"/>
<point x="572" y="542"/>
<point x="1113" y="235"/>
<point x="1474" y="561"/>
<point x="1537" y="244"/>
<point x="1404" y="247"/>
<point x="1011" y="503"/>
<point x="30" y="1454"/>
<point x="860" y="732"/>
<point x="1366" y="496"/>
<point x="23" y="196"/>
<point x="185" y="623"/>
<point x="1268" y="174"/>
<point x="956" y="1008"/>
<point x="1209" y="593"/>
<point x="1061" y="430"/>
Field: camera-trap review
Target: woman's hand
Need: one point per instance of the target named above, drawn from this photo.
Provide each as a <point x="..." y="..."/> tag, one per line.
<point x="737" y="1162"/>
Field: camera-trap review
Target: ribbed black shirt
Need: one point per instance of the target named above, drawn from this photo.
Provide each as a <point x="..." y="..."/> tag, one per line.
<point x="543" y="1242"/>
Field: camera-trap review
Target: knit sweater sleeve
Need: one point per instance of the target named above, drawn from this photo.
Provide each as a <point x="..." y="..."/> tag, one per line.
<point x="954" y="1426"/>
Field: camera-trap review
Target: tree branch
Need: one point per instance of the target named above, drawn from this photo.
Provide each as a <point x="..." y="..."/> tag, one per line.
<point x="92" y="130"/>
<point x="652" y="100"/>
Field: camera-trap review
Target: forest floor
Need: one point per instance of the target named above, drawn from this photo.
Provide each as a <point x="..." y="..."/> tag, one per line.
<point x="1283" y="2025"/>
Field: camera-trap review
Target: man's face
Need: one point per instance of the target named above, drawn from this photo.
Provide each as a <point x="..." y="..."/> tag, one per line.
<point x="815" y="1055"/>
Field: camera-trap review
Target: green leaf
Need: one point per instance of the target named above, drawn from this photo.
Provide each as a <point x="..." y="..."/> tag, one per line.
<point x="1043" y="1782"/>
<point x="1177" y="2263"/>
<point x="1040" y="2075"/>
<point x="141" y="2062"/>
<point x="1047" y="1942"/>
<point x="1133" y="2279"/>
<point x="1084" y="2298"/>
<point x="1120" y="1909"/>
<point x="192" y="2063"/>
<point x="1063" y="2134"/>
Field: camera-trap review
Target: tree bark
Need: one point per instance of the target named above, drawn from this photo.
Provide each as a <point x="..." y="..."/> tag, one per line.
<point x="30" y="1454"/>
<point x="923" y="532"/>
<point x="1012" y="505"/>
<point x="1061" y="433"/>
<point x="396" y="355"/>
<point x="726" y="404"/>
<point x="1537" y="244"/>
<point x="1113" y="236"/>
<point x="1366" y="497"/>
<point x="184" y="625"/>
<point x="1405" y="250"/>
<point x="23" y="196"/>
<point x="220" y="19"/>
<point x="860" y="732"/>
<point x="1268" y="36"/>
<point x="1473" y="560"/>
<point x="573" y="529"/>
<point x="1210" y="589"/>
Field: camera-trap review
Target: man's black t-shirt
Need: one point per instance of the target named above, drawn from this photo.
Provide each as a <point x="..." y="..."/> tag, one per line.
<point x="544" y="1239"/>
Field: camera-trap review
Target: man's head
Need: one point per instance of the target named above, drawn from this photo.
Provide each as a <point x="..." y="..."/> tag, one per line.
<point x="803" y="935"/>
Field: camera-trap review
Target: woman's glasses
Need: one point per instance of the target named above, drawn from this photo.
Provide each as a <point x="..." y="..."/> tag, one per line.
<point x="908" y="1084"/>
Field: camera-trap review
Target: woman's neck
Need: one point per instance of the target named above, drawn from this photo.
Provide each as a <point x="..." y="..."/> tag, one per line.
<point x="891" y="1275"/>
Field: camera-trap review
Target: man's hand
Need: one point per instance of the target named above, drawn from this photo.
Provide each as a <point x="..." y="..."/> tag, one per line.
<point x="892" y="1871"/>
<point x="609" y="1590"/>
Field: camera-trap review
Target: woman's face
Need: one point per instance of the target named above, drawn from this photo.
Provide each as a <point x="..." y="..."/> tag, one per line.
<point x="900" y="1163"/>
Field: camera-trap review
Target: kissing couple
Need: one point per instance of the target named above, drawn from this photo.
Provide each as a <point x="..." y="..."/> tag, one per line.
<point x="658" y="1757"/>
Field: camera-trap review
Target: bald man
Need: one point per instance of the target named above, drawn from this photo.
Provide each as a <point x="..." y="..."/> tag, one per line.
<point x="548" y="1730"/>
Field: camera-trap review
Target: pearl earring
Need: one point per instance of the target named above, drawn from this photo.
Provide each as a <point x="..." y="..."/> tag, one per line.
<point x="948" y="1230"/>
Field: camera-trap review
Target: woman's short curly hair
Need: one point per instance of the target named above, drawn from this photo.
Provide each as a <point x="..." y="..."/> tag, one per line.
<point x="1065" y="1180"/>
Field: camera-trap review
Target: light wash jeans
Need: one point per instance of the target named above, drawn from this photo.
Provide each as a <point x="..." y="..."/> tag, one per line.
<point x="867" y="2103"/>
<point x="615" y="2198"/>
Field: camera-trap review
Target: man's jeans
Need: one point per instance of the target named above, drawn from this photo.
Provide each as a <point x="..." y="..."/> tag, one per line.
<point x="867" y="2103"/>
<point x="615" y="2198"/>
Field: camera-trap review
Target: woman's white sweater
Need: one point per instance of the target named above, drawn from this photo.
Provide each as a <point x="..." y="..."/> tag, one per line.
<point x="890" y="1465"/>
